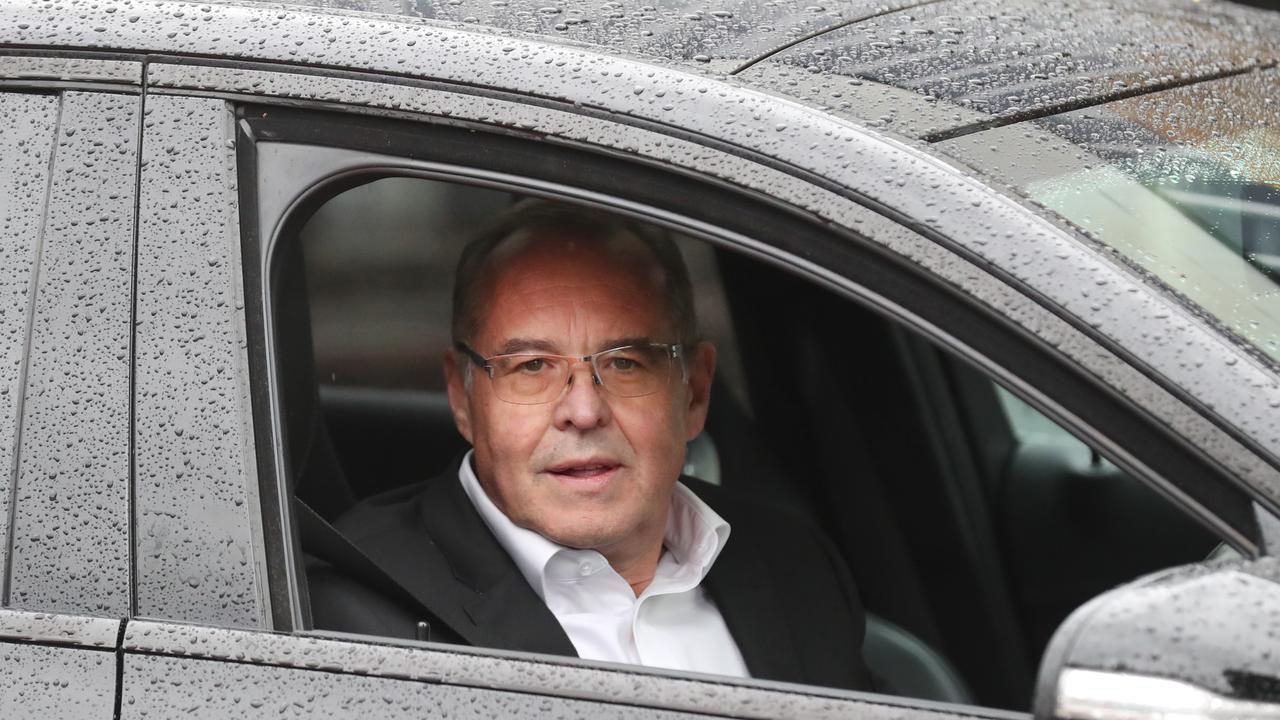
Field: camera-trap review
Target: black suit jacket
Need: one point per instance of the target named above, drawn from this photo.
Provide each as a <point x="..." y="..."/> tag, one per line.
<point x="784" y="594"/>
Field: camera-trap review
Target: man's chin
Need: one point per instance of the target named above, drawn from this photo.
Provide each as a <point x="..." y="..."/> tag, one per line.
<point x="584" y="537"/>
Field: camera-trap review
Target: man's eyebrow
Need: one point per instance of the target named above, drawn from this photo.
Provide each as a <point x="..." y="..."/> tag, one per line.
<point x="521" y="345"/>
<point x="623" y="342"/>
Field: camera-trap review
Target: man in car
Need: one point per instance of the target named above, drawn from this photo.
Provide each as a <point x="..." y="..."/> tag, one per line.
<point x="578" y="377"/>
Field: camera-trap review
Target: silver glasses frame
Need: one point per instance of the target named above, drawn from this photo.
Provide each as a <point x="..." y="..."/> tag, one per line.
<point x="674" y="350"/>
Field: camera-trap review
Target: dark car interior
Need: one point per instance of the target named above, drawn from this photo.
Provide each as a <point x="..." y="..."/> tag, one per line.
<point x="970" y="534"/>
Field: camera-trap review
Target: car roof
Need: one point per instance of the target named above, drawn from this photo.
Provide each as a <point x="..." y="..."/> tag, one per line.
<point x="929" y="69"/>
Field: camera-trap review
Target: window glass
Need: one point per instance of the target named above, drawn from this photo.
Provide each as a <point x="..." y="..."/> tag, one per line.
<point x="1185" y="183"/>
<point x="379" y="262"/>
<point x="1030" y="426"/>
<point x="808" y="426"/>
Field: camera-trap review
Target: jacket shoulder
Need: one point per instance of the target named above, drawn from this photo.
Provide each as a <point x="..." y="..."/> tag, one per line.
<point x="393" y="508"/>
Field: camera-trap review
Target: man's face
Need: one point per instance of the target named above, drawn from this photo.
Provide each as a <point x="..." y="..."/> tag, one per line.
<point x="589" y="469"/>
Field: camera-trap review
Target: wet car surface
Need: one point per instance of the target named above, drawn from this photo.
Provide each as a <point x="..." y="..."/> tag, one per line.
<point x="1074" y="206"/>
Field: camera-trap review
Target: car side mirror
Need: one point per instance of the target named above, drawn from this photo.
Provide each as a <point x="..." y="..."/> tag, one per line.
<point x="1199" y="641"/>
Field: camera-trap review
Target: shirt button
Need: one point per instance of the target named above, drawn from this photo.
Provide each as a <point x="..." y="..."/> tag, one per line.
<point x="585" y="569"/>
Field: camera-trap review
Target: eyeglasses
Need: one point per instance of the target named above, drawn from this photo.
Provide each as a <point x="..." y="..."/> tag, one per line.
<point x="537" y="378"/>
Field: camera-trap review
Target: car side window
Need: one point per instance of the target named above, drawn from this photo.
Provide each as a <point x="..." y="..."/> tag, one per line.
<point x="811" y="418"/>
<point x="1030" y="425"/>
<point x="1074" y="525"/>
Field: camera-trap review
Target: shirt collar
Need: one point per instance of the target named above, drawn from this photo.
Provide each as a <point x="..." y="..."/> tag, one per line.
<point x="695" y="533"/>
<point x="528" y="549"/>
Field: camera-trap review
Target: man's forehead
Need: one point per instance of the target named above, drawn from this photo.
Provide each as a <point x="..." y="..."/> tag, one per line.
<point x="561" y="283"/>
<point x="557" y="312"/>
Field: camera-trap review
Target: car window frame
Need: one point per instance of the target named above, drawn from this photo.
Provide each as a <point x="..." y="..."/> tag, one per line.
<point x="304" y="126"/>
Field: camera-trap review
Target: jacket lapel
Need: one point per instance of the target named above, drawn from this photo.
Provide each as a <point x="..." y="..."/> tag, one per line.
<point x="440" y="551"/>
<point x="502" y="610"/>
<point x="753" y="612"/>
<point x="443" y="554"/>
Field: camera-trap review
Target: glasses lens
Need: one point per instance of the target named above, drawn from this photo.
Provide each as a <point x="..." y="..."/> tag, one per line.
<point x="634" y="371"/>
<point x="528" y="379"/>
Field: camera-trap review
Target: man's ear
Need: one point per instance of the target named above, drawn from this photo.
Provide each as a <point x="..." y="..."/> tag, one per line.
<point x="700" y="368"/>
<point x="455" y="382"/>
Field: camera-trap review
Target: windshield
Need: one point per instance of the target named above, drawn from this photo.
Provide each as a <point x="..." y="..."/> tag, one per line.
<point x="1185" y="183"/>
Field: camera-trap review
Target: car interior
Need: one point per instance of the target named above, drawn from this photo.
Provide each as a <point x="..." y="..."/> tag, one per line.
<point x="971" y="524"/>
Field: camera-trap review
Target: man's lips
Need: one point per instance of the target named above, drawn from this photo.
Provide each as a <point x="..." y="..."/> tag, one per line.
<point x="592" y="468"/>
<point x="585" y="475"/>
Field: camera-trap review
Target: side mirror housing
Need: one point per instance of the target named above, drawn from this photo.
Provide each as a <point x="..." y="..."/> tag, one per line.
<point x="1199" y="641"/>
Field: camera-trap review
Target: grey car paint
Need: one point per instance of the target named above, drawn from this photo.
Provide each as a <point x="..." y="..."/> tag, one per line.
<point x="70" y="513"/>
<point x="57" y="666"/>
<point x="413" y="671"/>
<point x="60" y="69"/>
<point x="58" y="683"/>
<point x="656" y="112"/>
<point x="721" y="35"/>
<point x="23" y="182"/>
<point x="197" y="545"/>
<point x="161" y="685"/>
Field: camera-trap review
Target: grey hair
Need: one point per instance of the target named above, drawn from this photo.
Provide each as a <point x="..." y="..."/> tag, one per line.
<point x="588" y="223"/>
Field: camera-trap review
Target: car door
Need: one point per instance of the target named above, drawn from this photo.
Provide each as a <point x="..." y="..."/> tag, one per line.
<point x="278" y="141"/>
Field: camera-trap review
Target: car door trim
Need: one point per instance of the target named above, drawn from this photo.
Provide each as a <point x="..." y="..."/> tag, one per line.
<point x="529" y="673"/>
<point x="85" y="71"/>
<point x="37" y="628"/>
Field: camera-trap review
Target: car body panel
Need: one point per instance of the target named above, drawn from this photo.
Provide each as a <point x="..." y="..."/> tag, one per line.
<point x="57" y="666"/>
<point x="155" y="685"/>
<point x="45" y="70"/>
<point x="71" y="513"/>
<point x="448" y="674"/>
<point x="1007" y="61"/>
<point x="56" y="683"/>
<point x="199" y="557"/>
<point x="721" y="35"/>
<point x="41" y="628"/>
<point x="24" y="182"/>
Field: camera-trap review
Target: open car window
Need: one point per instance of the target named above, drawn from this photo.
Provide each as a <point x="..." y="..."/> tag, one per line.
<point x="965" y="558"/>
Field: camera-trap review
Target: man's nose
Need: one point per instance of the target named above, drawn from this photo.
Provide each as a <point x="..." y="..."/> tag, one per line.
<point x="583" y="405"/>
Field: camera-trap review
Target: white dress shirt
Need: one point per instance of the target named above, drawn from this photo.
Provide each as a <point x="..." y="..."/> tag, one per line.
<point x="672" y="624"/>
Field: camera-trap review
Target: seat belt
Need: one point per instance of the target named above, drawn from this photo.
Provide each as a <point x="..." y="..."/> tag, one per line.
<point x="322" y="540"/>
